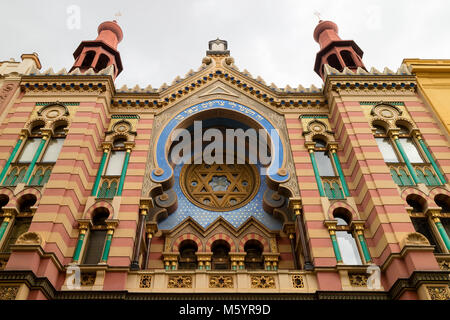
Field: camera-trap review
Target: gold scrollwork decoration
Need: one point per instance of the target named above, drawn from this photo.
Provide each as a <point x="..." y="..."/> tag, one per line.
<point x="221" y="281"/>
<point x="263" y="282"/>
<point x="180" y="282"/>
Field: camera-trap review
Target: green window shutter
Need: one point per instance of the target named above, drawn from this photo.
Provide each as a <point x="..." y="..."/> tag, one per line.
<point x="338" y="191"/>
<point x="328" y="191"/>
<point x="421" y="177"/>
<point x="396" y="177"/>
<point x="103" y="190"/>
<point x="19" y="177"/>
<point x="35" y="180"/>
<point x="46" y="176"/>
<point x="9" y="179"/>
<point x="112" y="190"/>
<point x="406" y="180"/>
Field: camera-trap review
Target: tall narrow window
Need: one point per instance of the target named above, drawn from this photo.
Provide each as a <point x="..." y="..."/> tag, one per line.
<point x="323" y="160"/>
<point x="116" y="159"/>
<point x="188" y="258"/>
<point x="220" y="256"/>
<point x="21" y="222"/>
<point x="55" y="145"/>
<point x="31" y="145"/>
<point x="420" y="220"/>
<point x="97" y="237"/>
<point x="346" y="241"/>
<point x="411" y="150"/>
<point x="254" y="258"/>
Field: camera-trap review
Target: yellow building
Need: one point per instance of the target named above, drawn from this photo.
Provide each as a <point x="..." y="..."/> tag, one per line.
<point x="433" y="80"/>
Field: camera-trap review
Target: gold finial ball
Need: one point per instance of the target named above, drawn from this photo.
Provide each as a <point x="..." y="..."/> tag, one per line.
<point x="282" y="171"/>
<point x="229" y="61"/>
<point x="158" y="172"/>
<point x="276" y="196"/>
<point x="206" y="60"/>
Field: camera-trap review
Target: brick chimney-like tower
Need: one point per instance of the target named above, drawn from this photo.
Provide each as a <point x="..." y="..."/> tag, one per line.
<point x="334" y="51"/>
<point x="101" y="52"/>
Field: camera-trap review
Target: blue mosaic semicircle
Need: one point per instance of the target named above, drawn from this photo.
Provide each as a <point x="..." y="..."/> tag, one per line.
<point x="278" y="152"/>
<point x="205" y="217"/>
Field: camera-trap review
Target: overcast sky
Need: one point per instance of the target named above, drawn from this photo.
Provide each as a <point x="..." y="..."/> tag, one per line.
<point x="270" y="38"/>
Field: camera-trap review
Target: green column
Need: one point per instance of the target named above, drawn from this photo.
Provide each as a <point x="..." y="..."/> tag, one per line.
<point x="363" y="244"/>
<point x="337" y="252"/>
<point x="340" y="172"/>
<point x="430" y="158"/>
<point x="76" y="255"/>
<point x="442" y="232"/>
<point x="316" y="173"/>
<point x="11" y="157"/>
<point x="107" y="246"/>
<point x="100" y="172"/>
<point x="4" y="226"/>
<point x="405" y="158"/>
<point x="124" y="172"/>
<point x="35" y="159"/>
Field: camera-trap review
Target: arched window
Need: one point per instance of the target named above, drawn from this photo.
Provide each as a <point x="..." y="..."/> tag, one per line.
<point x="55" y="145"/>
<point x="344" y="236"/>
<point x="102" y="62"/>
<point x="220" y="256"/>
<point x="31" y="145"/>
<point x="254" y="258"/>
<point x="88" y="59"/>
<point x="4" y="199"/>
<point x="187" y="258"/>
<point x="348" y="58"/>
<point x="21" y="223"/>
<point x="116" y="159"/>
<point x="385" y="145"/>
<point x="97" y="236"/>
<point x="323" y="160"/>
<point x="443" y="201"/>
<point x="420" y="221"/>
<point x="333" y="61"/>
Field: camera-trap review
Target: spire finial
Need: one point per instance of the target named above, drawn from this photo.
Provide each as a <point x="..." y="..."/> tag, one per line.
<point x="318" y="15"/>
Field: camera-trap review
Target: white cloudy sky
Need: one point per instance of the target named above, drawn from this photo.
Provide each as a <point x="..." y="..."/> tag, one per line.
<point x="270" y="38"/>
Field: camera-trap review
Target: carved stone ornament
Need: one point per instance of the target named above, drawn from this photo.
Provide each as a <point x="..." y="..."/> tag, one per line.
<point x="414" y="239"/>
<point x="439" y="293"/>
<point x="8" y="293"/>
<point x="180" y="282"/>
<point x="28" y="238"/>
<point x="88" y="278"/>
<point x="263" y="282"/>
<point x="145" y="281"/>
<point x="297" y="281"/>
<point x="221" y="281"/>
<point x="358" y="279"/>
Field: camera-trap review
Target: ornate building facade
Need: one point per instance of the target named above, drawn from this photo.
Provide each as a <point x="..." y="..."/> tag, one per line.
<point x="355" y="202"/>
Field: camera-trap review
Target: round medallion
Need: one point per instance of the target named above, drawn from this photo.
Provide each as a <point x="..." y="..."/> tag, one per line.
<point x="387" y="113"/>
<point x="219" y="187"/>
<point x="317" y="128"/>
<point x="53" y="114"/>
